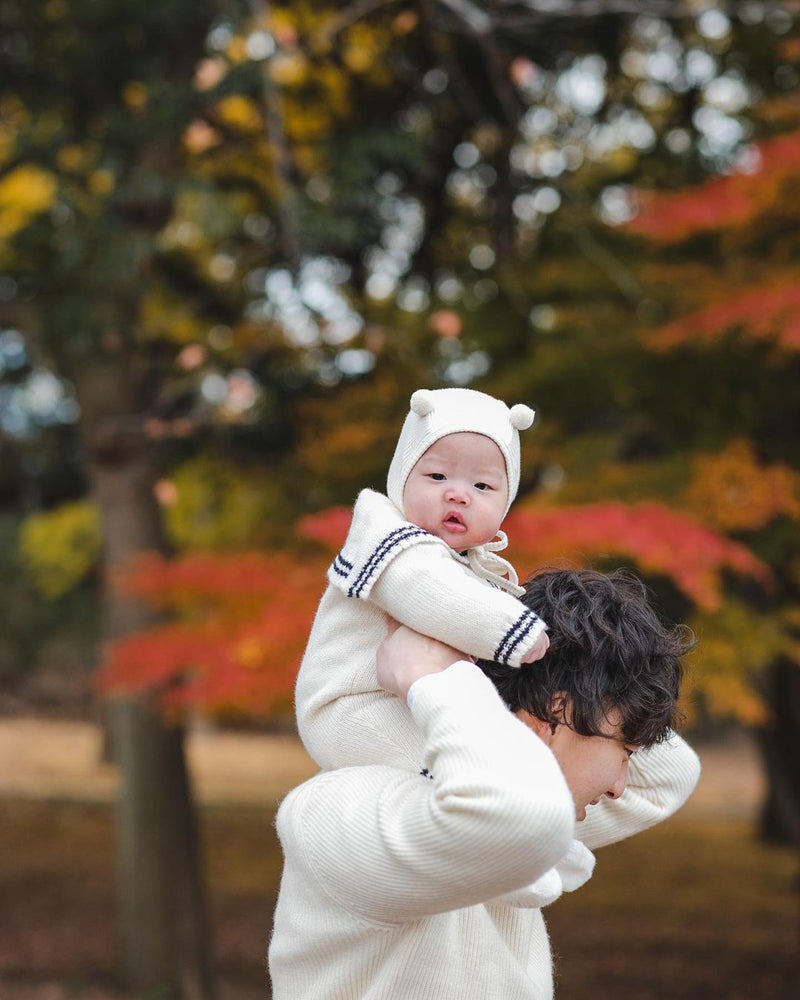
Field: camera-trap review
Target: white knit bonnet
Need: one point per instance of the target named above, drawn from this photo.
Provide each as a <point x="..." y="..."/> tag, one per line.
<point x="437" y="412"/>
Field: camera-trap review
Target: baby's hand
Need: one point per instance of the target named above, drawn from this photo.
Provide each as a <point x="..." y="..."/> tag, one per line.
<point x="405" y="655"/>
<point x="539" y="649"/>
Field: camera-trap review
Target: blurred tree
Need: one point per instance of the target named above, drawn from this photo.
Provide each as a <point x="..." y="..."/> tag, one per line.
<point x="736" y="323"/>
<point x="96" y="98"/>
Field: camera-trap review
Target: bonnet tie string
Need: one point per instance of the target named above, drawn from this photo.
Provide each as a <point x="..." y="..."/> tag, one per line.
<point x="485" y="563"/>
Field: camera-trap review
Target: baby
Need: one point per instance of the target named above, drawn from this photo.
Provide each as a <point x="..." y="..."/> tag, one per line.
<point x="424" y="555"/>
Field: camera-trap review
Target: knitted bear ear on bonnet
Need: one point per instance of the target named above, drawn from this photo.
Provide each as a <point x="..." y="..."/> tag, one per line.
<point x="422" y="402"/>
<point x="521" y="416"/>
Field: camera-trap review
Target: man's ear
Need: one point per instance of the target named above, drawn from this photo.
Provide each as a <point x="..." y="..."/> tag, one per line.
<point x="559" y="704"/>
<point x="542" y="729"/>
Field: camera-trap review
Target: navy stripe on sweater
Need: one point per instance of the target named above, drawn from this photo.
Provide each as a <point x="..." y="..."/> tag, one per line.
<point x="514" y="636"/>
<point x="381" y="553"/>
<point x="341" y="566"/>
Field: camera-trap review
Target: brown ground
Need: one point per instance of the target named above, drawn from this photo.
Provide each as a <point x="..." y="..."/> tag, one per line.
<point x="694" y="910"/>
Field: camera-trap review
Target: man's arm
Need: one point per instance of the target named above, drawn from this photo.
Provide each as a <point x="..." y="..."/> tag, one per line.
<point x="660" y="779"/>
<point x="490" y="812"/>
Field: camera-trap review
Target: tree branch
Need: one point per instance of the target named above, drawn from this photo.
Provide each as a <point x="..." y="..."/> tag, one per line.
<point x="354" y="12"/>
<point x="282" y="157"/>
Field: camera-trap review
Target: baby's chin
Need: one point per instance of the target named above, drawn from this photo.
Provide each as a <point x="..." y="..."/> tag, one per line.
<point x="460" y="544"/>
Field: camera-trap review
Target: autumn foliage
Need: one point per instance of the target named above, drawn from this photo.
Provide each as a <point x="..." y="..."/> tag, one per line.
<point x="236" y="630"/>
<point x="768" y="312"/>
<point x="733" y="200"/>
<point x="239" y="623"/>
<point x="659" y="541"/>
<point x="757" y="202"/>
<point x="733" y="491"/>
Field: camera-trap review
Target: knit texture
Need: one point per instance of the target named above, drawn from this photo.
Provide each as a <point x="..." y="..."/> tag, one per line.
<point x="391" y="876"/>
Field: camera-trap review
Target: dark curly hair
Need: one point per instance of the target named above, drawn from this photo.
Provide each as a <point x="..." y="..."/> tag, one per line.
<point x="608" y="650"/>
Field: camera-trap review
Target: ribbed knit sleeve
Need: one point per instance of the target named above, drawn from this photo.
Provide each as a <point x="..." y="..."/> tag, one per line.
<point x="489" y="813"/>
<point x="417" y="579"/>
<point x="660" y="780"/>
<point x="434" y="594"/>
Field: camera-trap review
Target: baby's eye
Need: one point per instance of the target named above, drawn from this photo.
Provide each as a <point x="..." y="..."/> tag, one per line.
<point x="437" y="477"/>
<point x="482" y="486"/>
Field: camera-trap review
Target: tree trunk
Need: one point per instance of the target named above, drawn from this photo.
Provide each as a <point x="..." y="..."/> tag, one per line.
<point x="162" y="915"/>
<point x="779" y="741"/>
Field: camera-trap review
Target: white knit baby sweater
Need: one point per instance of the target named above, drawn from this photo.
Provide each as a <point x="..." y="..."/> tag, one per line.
<point x="387" y="870"/>
<point x="390" y="566"/>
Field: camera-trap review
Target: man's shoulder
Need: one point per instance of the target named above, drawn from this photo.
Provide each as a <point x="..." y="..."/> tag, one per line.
<point x="310" y="803"/>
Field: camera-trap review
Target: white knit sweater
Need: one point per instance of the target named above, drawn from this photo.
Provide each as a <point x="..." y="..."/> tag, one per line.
<point x="389" y="566"/>
<point x="388" y="870"/>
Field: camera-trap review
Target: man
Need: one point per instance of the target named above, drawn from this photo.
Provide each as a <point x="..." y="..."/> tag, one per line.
<point x="425" y="880"/>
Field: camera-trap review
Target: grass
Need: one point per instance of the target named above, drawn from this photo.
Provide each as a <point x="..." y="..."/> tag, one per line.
<point x="688" y="911"/>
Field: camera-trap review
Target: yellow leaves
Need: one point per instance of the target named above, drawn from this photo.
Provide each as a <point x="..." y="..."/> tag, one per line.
<point x="216" y="505"/>
<point x="135" y="95"/>
<point x="289" y="69"/>
<point x="71" y="158"/>
<point x="353" y="447"/>
<point x="169" y="316"/>
<point x="61" y="547"/>
<point x="240" y="113"/>
<point x="236" y="50"/>
<point x="55" y="10"/>
<point x="101" y="182"/>
<point x="364" y="46"/>
<point x="733" y="491"/>
<point x="735" y="644"/>
<point x="733" y="697"/>
<point x="25" y="192"/>
<point x="78" y="158"/>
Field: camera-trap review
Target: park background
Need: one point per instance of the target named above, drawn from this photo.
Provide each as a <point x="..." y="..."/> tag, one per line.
<point x="234" y="237"/>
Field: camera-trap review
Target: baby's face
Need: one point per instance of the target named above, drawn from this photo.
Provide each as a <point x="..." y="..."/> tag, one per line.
<point x="458" y="490"/>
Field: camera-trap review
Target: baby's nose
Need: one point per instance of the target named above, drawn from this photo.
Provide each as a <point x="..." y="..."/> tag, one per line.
<point x="457" y="493"/>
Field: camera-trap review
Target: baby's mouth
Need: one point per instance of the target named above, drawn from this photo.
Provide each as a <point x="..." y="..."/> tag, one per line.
<point x="455" y="522"/>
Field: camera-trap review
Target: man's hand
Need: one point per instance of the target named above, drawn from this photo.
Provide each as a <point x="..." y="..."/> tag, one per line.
<point x="404" y="656"/>
<point x="539" y="649"/>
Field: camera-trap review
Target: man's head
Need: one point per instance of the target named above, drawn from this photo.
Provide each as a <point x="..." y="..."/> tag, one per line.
<point x="610" y="657"/>
<point x="607" y="686"/>
<point x="437" y="413"/>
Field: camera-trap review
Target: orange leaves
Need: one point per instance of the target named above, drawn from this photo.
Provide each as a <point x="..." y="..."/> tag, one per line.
<point x="766" y="312"/>
<point x="734" y="492"/>
<point x="722" y="202"/>
<point x="672" y="216"/>
<point x="242" y="623"/>
<point x="659" y="540"/>
<point x="329" y="527"/>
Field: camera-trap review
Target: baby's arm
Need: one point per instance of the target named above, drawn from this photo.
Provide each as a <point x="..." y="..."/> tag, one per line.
<point x="425" y="588"/>
<point x="539" y="648"/>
